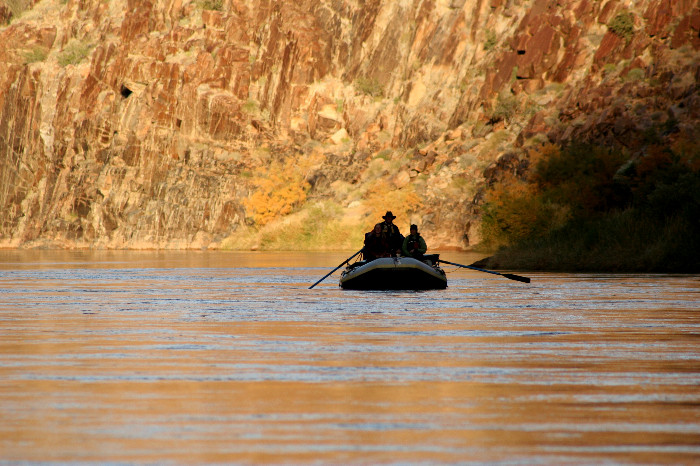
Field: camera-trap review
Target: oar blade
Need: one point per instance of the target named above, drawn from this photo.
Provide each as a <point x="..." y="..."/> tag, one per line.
<point x="516" y="277"/>
<point x="510" y="276"/>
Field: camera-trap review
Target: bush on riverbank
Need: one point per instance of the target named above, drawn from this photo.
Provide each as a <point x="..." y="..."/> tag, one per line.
<point x="622" y="241"/>
<point x="583" y="207"/>
<point x="318" y="226"/>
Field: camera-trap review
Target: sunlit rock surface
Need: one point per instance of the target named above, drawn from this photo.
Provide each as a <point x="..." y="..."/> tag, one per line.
<point x="204" y="124"/>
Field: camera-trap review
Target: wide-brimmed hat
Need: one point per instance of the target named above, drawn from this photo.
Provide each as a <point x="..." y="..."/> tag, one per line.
<point x="389" y="215"/>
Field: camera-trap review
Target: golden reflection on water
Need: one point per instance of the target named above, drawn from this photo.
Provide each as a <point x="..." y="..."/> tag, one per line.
<point x="227" y="357"/>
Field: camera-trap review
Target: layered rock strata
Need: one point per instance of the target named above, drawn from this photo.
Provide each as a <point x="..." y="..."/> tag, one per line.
<point x="179" y="124"/>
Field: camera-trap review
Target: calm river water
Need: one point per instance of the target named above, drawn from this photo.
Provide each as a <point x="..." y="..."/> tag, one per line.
<point x="225" y="357"/>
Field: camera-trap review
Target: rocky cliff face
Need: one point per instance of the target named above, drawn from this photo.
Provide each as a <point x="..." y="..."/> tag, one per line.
<point x="195" y="124"/>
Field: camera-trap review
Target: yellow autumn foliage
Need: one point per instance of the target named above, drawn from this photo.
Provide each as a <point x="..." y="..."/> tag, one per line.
<point x="514" y="208"/>
<point x="540" y="153"/>
<point x="277" y="193"/>
<point x="382" y="196"/>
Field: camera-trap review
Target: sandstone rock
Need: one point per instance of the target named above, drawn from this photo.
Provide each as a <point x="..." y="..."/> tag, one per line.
<point x="340" y="136"/>
<point x="402" y="179"/>
<point x="171" y="117"/>
<point x="688" y="30"/>
<point x="608" y="11"/>
<point x="611" y="45"/>
<point x="454" y="134"/>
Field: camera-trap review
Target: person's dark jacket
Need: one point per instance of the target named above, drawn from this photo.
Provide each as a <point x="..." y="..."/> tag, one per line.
<point x="375" y="246"/>
<point x="414" y="246"/>
<point x="392" y="236"/>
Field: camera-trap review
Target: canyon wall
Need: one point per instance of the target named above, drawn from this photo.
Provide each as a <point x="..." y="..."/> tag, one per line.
<point x="208" y="124"/>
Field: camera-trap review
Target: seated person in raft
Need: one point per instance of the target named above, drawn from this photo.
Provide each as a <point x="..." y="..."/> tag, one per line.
<point x="414" y="244"/>
<point x="391" y="234"/>
<point x="375" y="244"/>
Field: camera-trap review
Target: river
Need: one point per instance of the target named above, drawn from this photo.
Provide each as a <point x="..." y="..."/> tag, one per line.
<point x="228" y="357"/>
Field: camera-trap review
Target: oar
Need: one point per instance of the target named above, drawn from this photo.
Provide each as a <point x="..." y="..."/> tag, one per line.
<point x="507" y="275"/>
<point x="341" y="264"/>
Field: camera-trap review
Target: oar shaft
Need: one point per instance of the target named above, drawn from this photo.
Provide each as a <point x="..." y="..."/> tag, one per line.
<point x="509" y="276"/>
<point x="327" y="275"/>
<point x="471" y="267"/>
<point x="341" y="264"/>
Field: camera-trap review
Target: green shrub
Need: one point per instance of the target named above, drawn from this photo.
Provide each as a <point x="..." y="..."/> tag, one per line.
<point x="622" y="25"/>
<point x="635" y="74"/>
<point x="17" y="7"/>
<point x="74" y="53"/>
<point x="369" y="86"/>
<point x="250" y="107"/>
<point x="609" y="69"/>
<point x="384" y="154"/>
<point x="216" y="5"/>
<point x="35" y="55"/>
<point x="505" y="108"/>
<point x="491" y="40"/>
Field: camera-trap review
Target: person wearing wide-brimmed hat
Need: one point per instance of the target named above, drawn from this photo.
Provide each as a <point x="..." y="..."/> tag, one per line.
<point x="391" y="233"/>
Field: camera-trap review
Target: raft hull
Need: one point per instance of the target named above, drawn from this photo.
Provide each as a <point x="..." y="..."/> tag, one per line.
<point x="401" y="273"/>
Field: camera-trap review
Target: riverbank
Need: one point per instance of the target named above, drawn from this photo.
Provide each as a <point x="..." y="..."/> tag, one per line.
<point x="622" y="242"/>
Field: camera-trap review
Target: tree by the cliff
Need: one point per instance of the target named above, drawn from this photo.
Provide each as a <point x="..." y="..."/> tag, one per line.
<point x="586" y="207"/>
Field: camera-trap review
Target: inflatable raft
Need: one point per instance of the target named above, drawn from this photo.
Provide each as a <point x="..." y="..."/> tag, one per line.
<point x="394" y="273"/>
